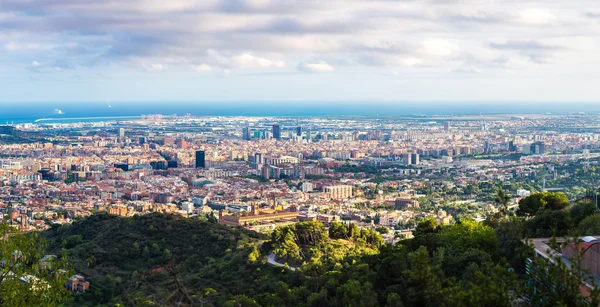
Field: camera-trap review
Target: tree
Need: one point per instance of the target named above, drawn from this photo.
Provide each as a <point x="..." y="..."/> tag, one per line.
<point x="423" y="279"/>
<point x="382" y="230"/>
<point x="590" y="226"/>
<point x="27" y="278"/>
<point x="530" y="205"/>
<point x="427" y="225"/>
<point x="338" y="231"/>
<point x="501" y="199"/>
<point x="352" y="293"/>
<point x="549" y="223"/>
<point x="581" y="210"/>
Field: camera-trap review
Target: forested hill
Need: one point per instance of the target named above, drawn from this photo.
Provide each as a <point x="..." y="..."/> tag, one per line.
<point x="160" y="260"/>
<point x="165" y="260"/>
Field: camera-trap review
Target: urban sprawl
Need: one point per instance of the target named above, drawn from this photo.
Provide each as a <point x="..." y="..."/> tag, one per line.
<point x="263" y="172"/>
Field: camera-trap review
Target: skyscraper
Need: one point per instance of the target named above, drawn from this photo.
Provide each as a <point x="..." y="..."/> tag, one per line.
<point x="121" y="133"/>
<point x="299" y="131"/>
<point x="246" y="133"/>
<point x="258" y="158"/>
<point x="414" y="159"/>
<point x="538" y="148"/>
<point x="446" y="126"/>
<point x="486" y="147"/>
<point x="200" y="159"/>
<point x="276" y="132"/>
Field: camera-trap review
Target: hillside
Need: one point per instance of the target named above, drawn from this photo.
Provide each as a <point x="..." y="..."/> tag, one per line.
<point x="164" y="260"/>
<point x="159" y="259"/>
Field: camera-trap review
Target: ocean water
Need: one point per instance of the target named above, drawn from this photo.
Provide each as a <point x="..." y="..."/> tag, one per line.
<point x="98" y="111"/>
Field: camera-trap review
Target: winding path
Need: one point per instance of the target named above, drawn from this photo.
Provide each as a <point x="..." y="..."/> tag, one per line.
<point x="271" y="260"/>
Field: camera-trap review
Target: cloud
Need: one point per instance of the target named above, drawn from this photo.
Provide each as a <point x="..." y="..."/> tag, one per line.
<point x="524" y="45"/>
<point x="154" y="67"/>
<point x="315" y="67"/>
<point x="35" y="64"/>
<point x="242" y="60"/>
<point x="267" y="35"/>
<point x="535" y="17"/>
<point x="201" y="68"/>
<point x="439" y="48"/>
<point x="14" y="46"/>
<point x="247" y="60"/>
<point x="468" y="69"/>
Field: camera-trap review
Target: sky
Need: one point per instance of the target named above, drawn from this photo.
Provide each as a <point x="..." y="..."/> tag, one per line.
<point x="388" y="50"/>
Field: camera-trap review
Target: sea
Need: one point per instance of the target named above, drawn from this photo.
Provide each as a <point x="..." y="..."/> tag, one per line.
<point x="67" y="112"/>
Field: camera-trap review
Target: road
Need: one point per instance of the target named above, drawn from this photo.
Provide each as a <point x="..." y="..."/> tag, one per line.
<point x="271" y="260"/>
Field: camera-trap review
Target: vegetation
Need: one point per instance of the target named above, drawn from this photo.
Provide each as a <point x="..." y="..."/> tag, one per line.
<point x="168" y="260"/>
<point x="160" y="259"/>
<point x="309" y="242"/>
<point x="530" y="205"/>
<point x="27" y="277"/>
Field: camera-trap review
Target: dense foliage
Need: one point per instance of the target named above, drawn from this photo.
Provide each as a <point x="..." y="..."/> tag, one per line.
<point x="311" y="242"/>
<point x="160" y="259"/>
<point x="167" y="260"/>
<point x="29" y="277"/>
<point x="530" y="205"/>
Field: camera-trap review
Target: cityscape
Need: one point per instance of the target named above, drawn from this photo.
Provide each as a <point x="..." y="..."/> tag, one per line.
<point x="387" y="174"/>
<point x="296" y="153"/>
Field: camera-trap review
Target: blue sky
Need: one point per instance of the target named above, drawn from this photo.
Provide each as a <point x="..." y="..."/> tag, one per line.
<point x="479" y="50"/>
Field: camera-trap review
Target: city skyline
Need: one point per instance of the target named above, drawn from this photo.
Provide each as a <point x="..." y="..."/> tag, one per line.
<point x="294" y="50"/>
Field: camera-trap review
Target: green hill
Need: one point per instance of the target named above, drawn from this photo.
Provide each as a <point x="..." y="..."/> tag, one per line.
<point x="164" y="260"/>
<point x="160" y="259"/>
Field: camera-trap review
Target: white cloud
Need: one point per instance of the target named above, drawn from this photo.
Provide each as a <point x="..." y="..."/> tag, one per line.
<point x="243" y="60"/>
<point x="315" y="67"/>
<point x="14" y="46"/>
<point x="35" y="64"/>
<point x="516" y="62"/>
<point x="201" y="68"/>
<point x="439" y="48"/>
<point x="378" y="36"/>
<point x="469" y="69"/>
<point x="154" y="67"/>
<point x="247" y="60"/>
<point x="535" y="17"/>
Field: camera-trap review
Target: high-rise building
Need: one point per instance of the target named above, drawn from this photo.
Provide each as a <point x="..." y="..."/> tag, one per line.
<point x="258" y="158"/>
<point x="511" y="146"/>
<point x="406" y="159"/>
<point x="486" y="147"/>
<point x="200" y="159"/>
<point x="538" y="148"/>
<point x="414" y="159"/>
<point x="299" y="131"/>
<point x="246" y="133"/>
<point x="121" y="133"/>
<point x="276" y="132"/>
<point x="259" y="134"/>
<point x="410" y="159"/>
<point x="446" y="126"/>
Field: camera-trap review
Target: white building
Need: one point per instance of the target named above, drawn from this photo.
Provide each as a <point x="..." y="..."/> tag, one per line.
<point x="339" y="191"/>
<point x="188" y="207"/>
